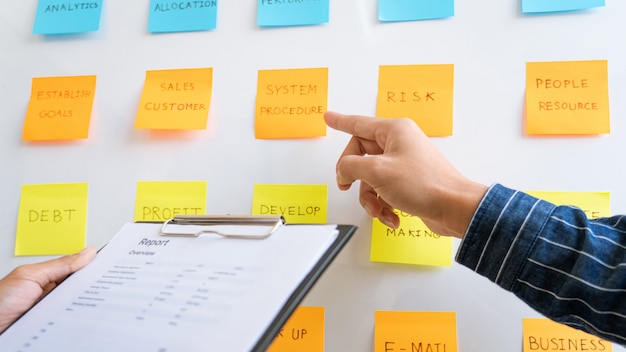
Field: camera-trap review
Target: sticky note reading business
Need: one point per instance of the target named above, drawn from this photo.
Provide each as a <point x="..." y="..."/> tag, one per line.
<point x="303" y="332"/>
<point x="275" y="13"/>
<point x="52" y="219"/>
<point x="182" y="16"/>
<point x="567" y="98"/>
<point x="409" y="10"/>
<point x="425" y="93"/>
<point x="301" y="204"/>
<point x="291" y="103"/>
<point x="594" y="204"/>
<point x="175" y="99"/>
<point x="541" y="334"/>
<point x="415" y="331"/>
<point x="535" y="6"/>
<point x="163" y="200"/>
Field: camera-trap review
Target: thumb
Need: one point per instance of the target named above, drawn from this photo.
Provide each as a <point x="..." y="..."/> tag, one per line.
<point x="58" y="269"/>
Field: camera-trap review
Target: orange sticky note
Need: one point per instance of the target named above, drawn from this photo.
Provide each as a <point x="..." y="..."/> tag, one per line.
<point x="59" y="108"/>
<point x="291" y="103"/>
<point x="175" y="99"/>
<point x="303" y="332"/>
<point x="424" y="93"/>
<point x="567" y="98"/>
<point x="163" y="200"/>
<point x="300" y="204"/>
<point x="415" y="331"/>
<point x="594" y="204"/>
<point x="541" y="334"/>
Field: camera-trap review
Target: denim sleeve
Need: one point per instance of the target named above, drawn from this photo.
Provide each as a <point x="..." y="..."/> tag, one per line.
<point x="565" y="266"/>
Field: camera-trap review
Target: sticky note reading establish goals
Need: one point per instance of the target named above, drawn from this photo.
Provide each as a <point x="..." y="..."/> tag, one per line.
<point x="408" y="10"/>
<point x="415" y="331"/>
<point x="594" y="204"/>
<point x="52" y="219"/>
<point x="182" y="16"/>
<point x="274" y="13"/>
<point x="542" y="334"/>
<point x="567" y="98"/>
<point x="175" y="99"/>
<point x="425" y="93"/>
<point x="67" y="16"/>
<point x="160" y="201"/>
<point x="303" y="332"/>
<point x="535" y="6"/>
<point x="300" y="204"/>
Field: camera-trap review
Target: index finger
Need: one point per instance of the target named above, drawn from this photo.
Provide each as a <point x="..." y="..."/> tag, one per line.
<point x="358" y="126"/>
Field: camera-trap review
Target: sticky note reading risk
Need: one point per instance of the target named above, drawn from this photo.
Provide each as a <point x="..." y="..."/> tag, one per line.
<point x="541" y="334"/>
<point x="163" y="200"/>
<point x="52" y="219"/>
<point x="567" y="98"/>
<point x="175" y="99"/>
<point x="182" y="16"/>
<point x="274" y="13"/>
<point x="67" y="16"/>
<point x="425" y="93"/>
<point x="409" y="10"/>
<point x="534" y="6"/>
<point x="301" y="204"/>
<point x="415" y="331"/>
<point x="594" y="204"/>
<point x="291" y="103"/>
<point x="303" y="332"/>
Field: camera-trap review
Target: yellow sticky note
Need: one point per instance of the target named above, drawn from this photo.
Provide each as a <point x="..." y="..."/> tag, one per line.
<point x="52" y="219"/>
<point x="162" y="200"/>
<point x="411" y="243"/>
<point x="175" y="99"/>
<point x="299" y="204"/>
<point x="424" y="93"/>
<point x="291" y="103"/>
<point x="415" y="331"/>
<point x="594" y="204"/>
<point x="567" y="98"/>
<point x="59" y="108"/>
<point x="303" y="332"/>
<point x="541" y="334"/>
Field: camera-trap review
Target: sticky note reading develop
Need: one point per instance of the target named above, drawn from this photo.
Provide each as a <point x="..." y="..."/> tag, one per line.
<point x="67" y="16"/>
<point x="415" y="331"/>
<point x="531" y="6"/>
<point x="541" y="334"/>
<point x="52" y="219"/>
<point x="302" y="204"/>
<point x="182" y="16"/>
<point x="160" y="201"/>
<point x="594" y="204"/>
<point x="303" y="332"/>
<point x="409" y="10"/>
<point x="292" y="13"/>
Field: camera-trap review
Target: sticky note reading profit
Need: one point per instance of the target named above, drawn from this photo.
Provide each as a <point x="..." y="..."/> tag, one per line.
<point x="274" y="13"/>
<point x="594" y="204"/>
<point x="175" y="99"/>
<point x="59" y="108"/>
<point x="182" y="16"/>
<point x="425" y="93"/>
<point x="415" y="331"/>
<point x="52" y="219"/>
<point x="303" y="332"/>
<point x="567" y="98"/>
<point x="163" y="200"/>
<point x="67" y="16"/>
<point x="541" y="334"/>
<point x="409" y="10"/>
<point x="299" y="204"/>
<point x="531" y="6"/>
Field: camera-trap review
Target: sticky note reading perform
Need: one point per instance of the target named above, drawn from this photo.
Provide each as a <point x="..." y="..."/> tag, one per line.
<point x="291" y="103"/>
<point x="541" y="334"/>
<point x="52" y="219"/>
<point x="594" y="204"/>
<point x="408" y="10"/>
<point x="301" y="204"/>
<point x="275" y="13"/>
<point x="415" y="331"/>
<point x="425" y="93"/>
<point x="534" y="6"/>
<point x="411" y="243"/>
<point x="67" y="16"/>
<point x="303" y="332"/>
<point x="567" y="98"/>
<point x="175" y="99"/>
<point x="160" y="201"/>
<point x="182" y="16"/>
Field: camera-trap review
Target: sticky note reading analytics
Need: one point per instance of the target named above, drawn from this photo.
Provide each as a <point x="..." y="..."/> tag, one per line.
<point x="67" y="16"/>
<point x="408" y="10"/>
<point x="415" y="331"/>
<point x="182" y="16"/>
<point x="292" y="13"/>
<point x="532" y="6"/>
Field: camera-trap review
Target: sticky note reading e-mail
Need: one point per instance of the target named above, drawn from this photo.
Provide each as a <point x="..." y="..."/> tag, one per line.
<point x="415" y="331"/>
<point x="410" y="10"/>
<point x="303" y="332"/>
<point x="542" y="334"/>
<point x="67" y="16"/>
<point x="182" y="16"/>
<point x="274" y="13"/>
<point x="594" y="204"/>
<point x="537" y="6"/>
<point x="163" y="200"/>
<point x="300" y="204"/>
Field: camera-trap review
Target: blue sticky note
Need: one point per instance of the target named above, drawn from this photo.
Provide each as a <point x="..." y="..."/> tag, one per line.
<point x="292" y="13"/>
<point x="67" y="16"/>
<point x="535" y="6"/>
<point x="182" y="16"/>
<point x="413" y="10"/>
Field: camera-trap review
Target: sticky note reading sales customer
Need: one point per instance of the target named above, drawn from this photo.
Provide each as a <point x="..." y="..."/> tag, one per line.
<point x="415" y="331"/>
<point x="163" y="200"/>
<point x="303" y="332"/>
<point x="301" y="204"/>
<point x="67" y="16"/>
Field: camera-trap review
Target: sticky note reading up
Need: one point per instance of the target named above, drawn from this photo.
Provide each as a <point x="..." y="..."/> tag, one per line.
<point x="160" y="201"/>
<point x="425" y="93"/>
<point x="67" y="16"/>
<point x="570" y="97"/>
<point x="51" y="219"/>
<point x="541" y="334"/>
<point x="301" y="204"/>
<point x="594" y="204"/>
<point x="415" y="331"/>
<point x="291" y="13"/>
<point x="175" y="99"/>
<point x="532" y="6"/>
<point x="182" y="16"/>
<point x="303" y="332"/>
<point x="408" y="10"/>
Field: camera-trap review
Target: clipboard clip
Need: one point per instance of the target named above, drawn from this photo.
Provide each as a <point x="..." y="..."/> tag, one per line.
<point x="229" y="226"/>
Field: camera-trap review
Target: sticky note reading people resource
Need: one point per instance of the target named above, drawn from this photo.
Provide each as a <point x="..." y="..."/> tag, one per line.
<point x="163" y="200"/>
<point x="567" y="98"/>
<point x="425" y="93"/>
<point x="182" y="16"/>
<point x="533" y="6"/>
<point x="275" y="13"/>
<point x="415" y="331"/>
<point x="542" y="334"/>
<point x="411" y="243"/>
<point x="52" y="219"/>
<point x="594" y="204"/>
<point x="175" y="99"/>
<point x="67" y="16"/>
<point x="408" y="10"/>
<point x="303" y="332"/>
<point x="291" y="103"/>
<point x="301" y="204"/>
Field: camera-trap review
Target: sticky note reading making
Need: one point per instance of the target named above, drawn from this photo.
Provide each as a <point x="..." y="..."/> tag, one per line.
<point x="185" y="16"/>
<point x="409" y="10"/>
<point x="541" y="334"/>
<point x="532" y="6"/>
<point x="67" y="16"/>
<point x="415" y="331"/>
<point x="291" y="103"/>
<point x="160" y="201"/>
<point x="291" y="13"/>
<point x="411" y="243"/>
<point x="570" y="97"/>
<point x="301" y="204"/>
<point x="52" y="219"/>
<point x="303" y="332"/>
<point x="175" y="99"/>
<point x="424" y="93"/>
<point x="594" y="204"/>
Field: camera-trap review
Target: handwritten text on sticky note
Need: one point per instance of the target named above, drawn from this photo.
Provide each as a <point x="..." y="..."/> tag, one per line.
<point x="541" y="334"/>
<point x="182" y="16"/>
<point x="594" y="204"/>
<point x="303" y="332"/>
<point x="292" y="13"/>
<point x="163" y="200"/>
<point x="532" y="6"/>
<point x="408" y="10"/>
<point x="67" y="16"/>
<point x="415" y="331"/>
<point x="303" y="204"/>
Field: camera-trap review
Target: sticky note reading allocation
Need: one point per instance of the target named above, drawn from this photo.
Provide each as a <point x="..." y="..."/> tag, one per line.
<point x="301" y="204"/>
<point x="541" y="334"/>
<point x="411" y="243"/>
<point x="160" y="201"/>
<point x="52" y="219"/>
<point x="292" y="13"/>
<point x="410" y="10"/>
<point x="59" y="108"/>
<point x="594" y="204"/>
<point x="182" y="16"/>
<point x="415" y="331"/>
<point x="570" y="97"/>
<point x="175" y="99"/>
<point x="531" y="6"/>
<point x="291" y="103"/>
<point x="303" y="332"/>
<point x="425" y="93"/>
<point x="67" y="16"/>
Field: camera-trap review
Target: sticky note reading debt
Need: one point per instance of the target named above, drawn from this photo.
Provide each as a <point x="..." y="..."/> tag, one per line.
<point x="302" y="204"/>
<point x="536" y="6"/>
<point x="409" y="10"/>
<point x="541" y="334"/>
<point x="291" y="13"/>
<point x="303" y="332"/>
<point x="67" y="16"/>
<point x="160" y="201"/>
<point x="594" y="204"/>
<point x="415" y="331"/>
<point x="182" y="16"/>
